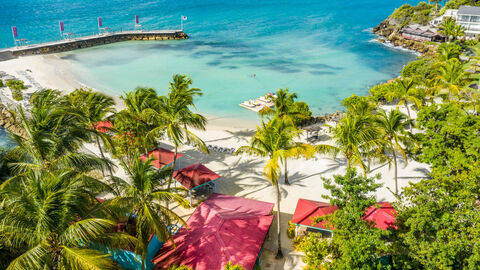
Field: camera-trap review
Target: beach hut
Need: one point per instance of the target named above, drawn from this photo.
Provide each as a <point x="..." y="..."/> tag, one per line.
<point x="307" y="210"/>
<point x="195" y="176"/>
<point x="382" y="214"/>
<point x="162" y="157"/>
<point x="222" y="229"/>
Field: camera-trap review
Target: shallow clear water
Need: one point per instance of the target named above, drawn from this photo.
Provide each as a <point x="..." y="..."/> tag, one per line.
<point x="323" y="50"/>
<point x="5" y="141"/>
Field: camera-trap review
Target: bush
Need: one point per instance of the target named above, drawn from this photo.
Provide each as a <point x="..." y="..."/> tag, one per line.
<point x="291" y="230"/>
<point x="379" y="91"/>
<point x="17" y="94"/>
<point x="315" y="249"/>
<point x="304" y="112"/>
<point x="407" y="14"/>
<point x="421" y="69"/>
<point x="471" y="42"/>
<point x="1" y="83"/>
<point x="15" y="84"/>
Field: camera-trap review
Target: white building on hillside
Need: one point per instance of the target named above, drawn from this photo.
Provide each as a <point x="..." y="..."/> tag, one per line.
<point x="469" y="17"/>
<point x="449" y="13"/>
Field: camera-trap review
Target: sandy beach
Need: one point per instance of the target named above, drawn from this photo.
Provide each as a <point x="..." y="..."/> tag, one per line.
<point x="241" y="175"/>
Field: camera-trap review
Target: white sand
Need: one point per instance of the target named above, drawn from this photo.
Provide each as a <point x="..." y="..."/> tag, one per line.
<point x="242" y="175"/>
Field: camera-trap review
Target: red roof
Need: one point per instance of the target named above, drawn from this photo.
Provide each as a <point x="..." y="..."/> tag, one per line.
<point x="306" y="210"/>
<point x="161" y="157"/>
<point x="194" y="176"/>
<point x="223" y="228"/>
<point x="103" y="127"/>
<point x="382" y="214"/>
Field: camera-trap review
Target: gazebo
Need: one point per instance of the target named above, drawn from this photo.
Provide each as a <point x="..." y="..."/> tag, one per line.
<point x="306" y="210"/>
<point x="195" y="176"/>
<point x="162" y="157"/>
<point x="381" y="214"/>
<point x="222" y="229"/>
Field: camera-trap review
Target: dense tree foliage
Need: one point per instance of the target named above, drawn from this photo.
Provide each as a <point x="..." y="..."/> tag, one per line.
<point x="356" y="243"/>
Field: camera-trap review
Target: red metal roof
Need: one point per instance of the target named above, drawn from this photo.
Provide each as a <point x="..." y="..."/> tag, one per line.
<point x="161" y="157"/>
<point x="194" y="175"/>
<point x="223" y="228"/>
<point x="306" y="210"/>
<point x="103" y="127"/>
<point x="382" y="214"/>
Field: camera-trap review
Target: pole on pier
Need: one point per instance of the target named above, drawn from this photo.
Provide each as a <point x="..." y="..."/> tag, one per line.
<point x="62" y="28"/>
<point x="14" y="34"/>
<point x="182" y="18"/>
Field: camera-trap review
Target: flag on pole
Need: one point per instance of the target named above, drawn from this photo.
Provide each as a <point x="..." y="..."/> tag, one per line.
<point x="14" y="31"/>
<point x="184" y="18"/>
<point x="136" y="19"/>
<point x="61" y="27"/>
<point x="99" y="22"/>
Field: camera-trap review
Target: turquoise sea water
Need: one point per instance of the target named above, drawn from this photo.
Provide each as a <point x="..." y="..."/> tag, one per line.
<point x="323" y="50"/>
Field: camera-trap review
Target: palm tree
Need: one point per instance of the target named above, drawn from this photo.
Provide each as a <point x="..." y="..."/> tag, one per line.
<point x="46" y="217"/>
<point x="450" y="29"/>
<point x="354" y="137"/>
<point x="452" y="76"/>
<point x="393" y="136"/>
<point x="285" y="107"/>
<point x="269" y="141"/>
<point x="176" y="117"/>
<point x="53" y="138"/>
<point x="137" y="118"/>
<point x="141" y="196"/>
<point x="90" y="108"/>
<point x="447" y="51"/>
<point x="406" y="92"/>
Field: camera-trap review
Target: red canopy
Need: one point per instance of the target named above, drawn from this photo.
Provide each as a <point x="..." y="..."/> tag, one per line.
<point x="162" y="157"/>
<point x="306" y="210"/>
<point x="103" y="127"/>
<point x="194" y="176"/>
<point x="382" y="214"/>
<point x="223" y="228"/>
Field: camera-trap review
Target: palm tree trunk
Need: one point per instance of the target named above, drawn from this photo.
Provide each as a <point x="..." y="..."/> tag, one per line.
<point x="409" y="117"/>
<point x="103" y="156"/>
<point x="286" y="172"/>
<point x="144" y="257"/>
<point x="396" y="175"/>
<point x="279" y="251"/>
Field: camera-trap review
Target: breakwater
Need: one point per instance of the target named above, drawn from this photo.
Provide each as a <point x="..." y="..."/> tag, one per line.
<point x="90" y="41"/>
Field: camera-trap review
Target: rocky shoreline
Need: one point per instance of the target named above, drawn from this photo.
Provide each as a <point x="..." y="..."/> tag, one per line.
<point x="7" y="121"/>
<point x="390" y="30"/>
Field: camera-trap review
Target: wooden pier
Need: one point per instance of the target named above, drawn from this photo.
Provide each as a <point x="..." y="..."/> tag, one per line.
<point x="89" y="41"/>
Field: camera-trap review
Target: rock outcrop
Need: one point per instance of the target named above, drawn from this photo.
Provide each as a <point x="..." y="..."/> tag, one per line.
<point x="7" y="121"/>
<point x="390" y="30"/>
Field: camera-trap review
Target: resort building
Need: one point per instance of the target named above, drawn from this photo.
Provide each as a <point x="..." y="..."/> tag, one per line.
<point x="419" y="32"/>
<point x="469" y="18"/>
<point x="382" y="215"/>
<point x="449" y="13"/>
<point x="222" y="229"/>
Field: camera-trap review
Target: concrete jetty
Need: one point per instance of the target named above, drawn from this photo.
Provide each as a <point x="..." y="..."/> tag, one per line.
<point x="89" y="41"/>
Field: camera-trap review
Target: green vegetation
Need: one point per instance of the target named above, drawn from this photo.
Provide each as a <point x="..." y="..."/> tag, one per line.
<point x="355" y="243"/>
<point x="231" y="266"/>
<point x="407" y="14"/>
<point x="275" y="141"/>
<point x="16" y="86"/>
<point x="287" y="108"/>
<point x="451" y="29"/>
<point x="1" y="83"/>
<point x="50" y="217"/>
